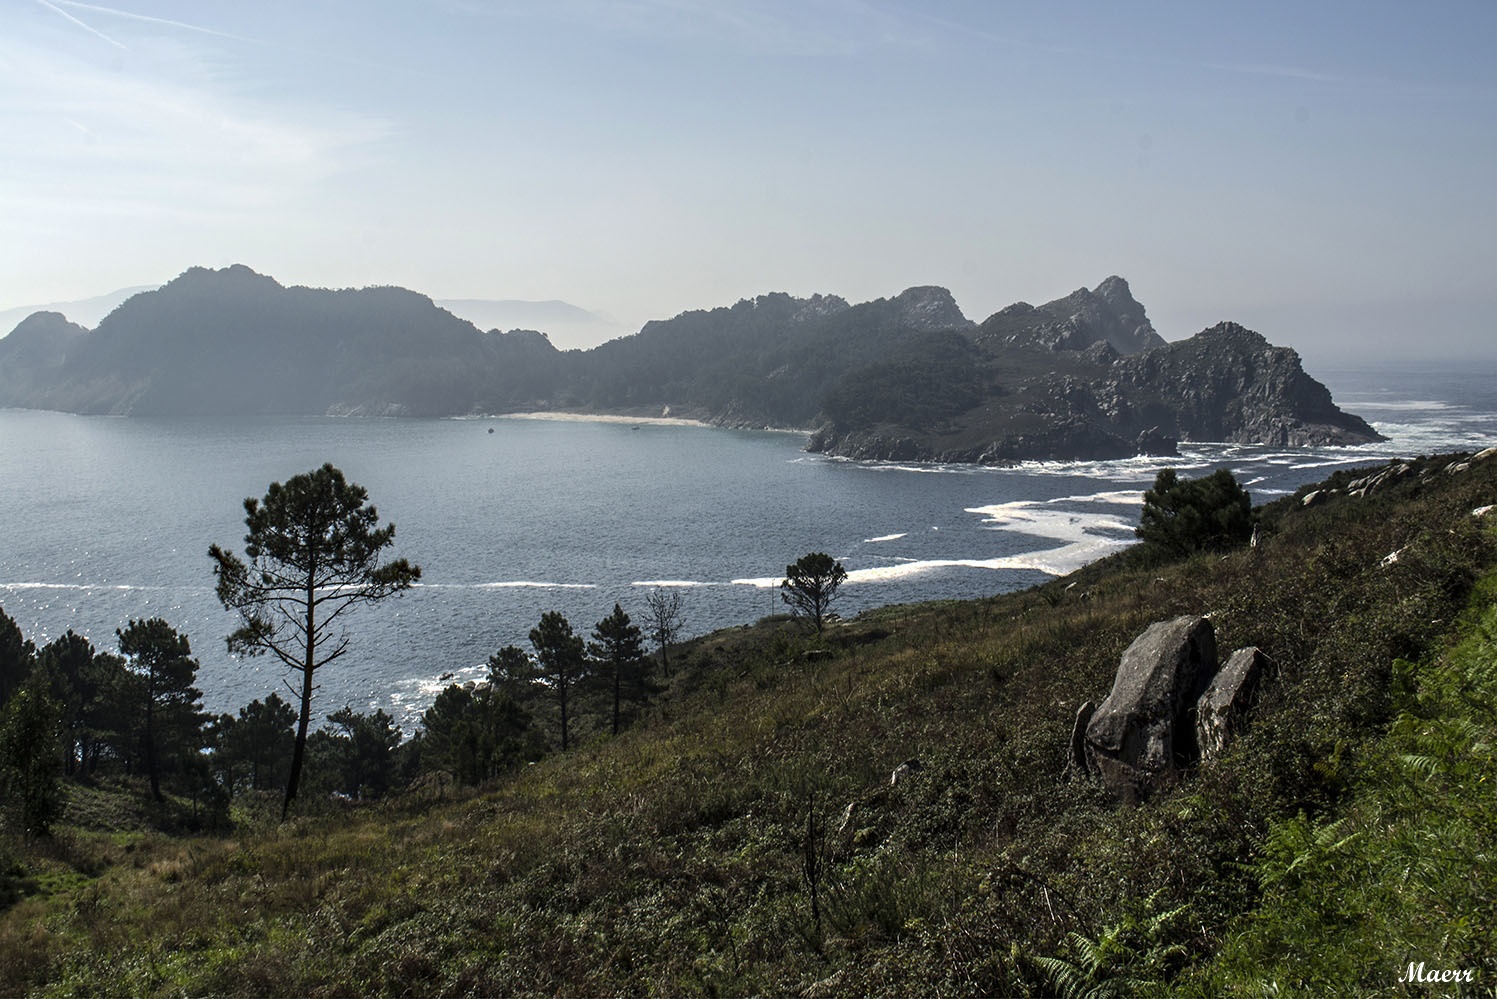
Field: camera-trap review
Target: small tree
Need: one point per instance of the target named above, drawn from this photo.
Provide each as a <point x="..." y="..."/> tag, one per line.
<point x="618" y="650"/>
<point x="30" y="759"/>
<point x="1184" y="516"/>
<point x="17" y="656"/>
<point x="257" y="744"/>
<point x="512" y="672"/>
<point x="162" y="660"/>
<point x="92" y="691"/>
<point x="561" y="661"/>
<point x="364" y="752"/>
<point x="810" y="586"/>
<point x="664" y="621"/>
<point x="314" y="548"/>
<point x="476" y="734"/>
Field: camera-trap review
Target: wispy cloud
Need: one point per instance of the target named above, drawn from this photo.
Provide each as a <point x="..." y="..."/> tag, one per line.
<point x="84" y="138"/>
<point x="85" y="26"/>
<point x="805" y="28"/>
<point x="1279" y="71"/>
<point x="144" y="18"/>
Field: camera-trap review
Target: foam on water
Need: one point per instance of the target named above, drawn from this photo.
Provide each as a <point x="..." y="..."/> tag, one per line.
<point x="669" y="583"/>
<point x="524" y="584"/>
<point x="711" y="515"/>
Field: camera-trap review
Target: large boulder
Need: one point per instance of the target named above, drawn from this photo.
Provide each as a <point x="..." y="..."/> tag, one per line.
<point x="1144" y="732"/>
<point x="1221" y="709"/>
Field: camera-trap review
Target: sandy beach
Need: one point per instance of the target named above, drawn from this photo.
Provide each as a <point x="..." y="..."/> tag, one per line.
<point x="670" y="421"/>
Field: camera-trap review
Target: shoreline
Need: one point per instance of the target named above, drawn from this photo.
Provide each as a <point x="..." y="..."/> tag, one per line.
<point x="658" y="421"/>
<point x="564" y="417"/>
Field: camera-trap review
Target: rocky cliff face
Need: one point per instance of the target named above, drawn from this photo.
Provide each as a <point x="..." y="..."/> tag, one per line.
<point x="929" y="308"/>
<point x="1225" y="384"/>
<point x="1107" y="313"/>
<point x="1228" y="383"/>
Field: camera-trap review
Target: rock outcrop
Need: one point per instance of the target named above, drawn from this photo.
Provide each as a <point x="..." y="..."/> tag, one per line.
<point x="1223" y="707"/>
<point x="1106" y="314"/>
<point x="1144" y="732"/>
<point x="1170" y="706"/>
<point x="1229" y="384"/>
<point x="1226" y="384"/>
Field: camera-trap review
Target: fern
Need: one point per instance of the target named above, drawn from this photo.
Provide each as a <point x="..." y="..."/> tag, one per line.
<point x="1131" y="955"/>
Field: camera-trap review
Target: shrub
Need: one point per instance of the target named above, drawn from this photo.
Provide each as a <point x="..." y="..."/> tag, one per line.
<point x="1185" y="516"/>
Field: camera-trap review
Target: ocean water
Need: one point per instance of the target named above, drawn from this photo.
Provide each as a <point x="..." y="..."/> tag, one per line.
<point x="103" y="520"/>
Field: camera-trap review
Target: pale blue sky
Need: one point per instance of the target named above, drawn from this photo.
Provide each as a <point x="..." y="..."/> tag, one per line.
<point x="1325" y="173"/>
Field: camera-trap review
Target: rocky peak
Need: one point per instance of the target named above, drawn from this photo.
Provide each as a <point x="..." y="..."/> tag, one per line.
<point x="818" y="306"/>
<point x="929" y="308"/>
<point x="1235" y="335"/>
<point x="1084" y="317"/>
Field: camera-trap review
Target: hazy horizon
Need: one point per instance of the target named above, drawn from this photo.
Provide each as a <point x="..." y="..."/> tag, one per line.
<point x="1321" y="176"/>
<point x="573" y="327"/>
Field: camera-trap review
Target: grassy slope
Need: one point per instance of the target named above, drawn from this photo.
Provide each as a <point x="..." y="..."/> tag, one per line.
<point x="674" y="858"/>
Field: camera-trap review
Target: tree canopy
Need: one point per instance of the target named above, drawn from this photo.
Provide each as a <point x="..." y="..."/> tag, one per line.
<point x="1184" y="516"/>
<point x="161" y="659"/>
<point x="618" y="650"/>
<point x="315" y="551"/>
<point x="559" y="655"/>
<point x="810" y="586"/>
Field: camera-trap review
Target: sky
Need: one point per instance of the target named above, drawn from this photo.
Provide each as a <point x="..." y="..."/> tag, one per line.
<point x="1325" y="173"/>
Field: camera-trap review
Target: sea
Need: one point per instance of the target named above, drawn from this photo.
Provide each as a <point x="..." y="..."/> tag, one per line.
<point x="104" y="520"/>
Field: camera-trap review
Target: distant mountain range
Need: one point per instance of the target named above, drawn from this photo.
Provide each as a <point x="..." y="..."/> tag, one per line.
<point x="909" y="377"/>
<point x="567" y="325"/>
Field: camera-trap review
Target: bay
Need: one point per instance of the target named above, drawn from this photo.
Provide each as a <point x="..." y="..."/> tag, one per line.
<point x="103" y="520"/>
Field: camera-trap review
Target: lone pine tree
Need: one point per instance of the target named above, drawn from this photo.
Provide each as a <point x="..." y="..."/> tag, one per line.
<point x="314" y="552"/>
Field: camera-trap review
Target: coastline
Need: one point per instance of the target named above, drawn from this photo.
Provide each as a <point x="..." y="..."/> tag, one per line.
<point x="663" y="421"/>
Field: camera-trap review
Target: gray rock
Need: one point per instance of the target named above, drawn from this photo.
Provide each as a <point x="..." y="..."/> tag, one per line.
<point x="1379" y="480"/>
<point x="1222" y="708"/>
<point x="1078" y="735"/>
<point x="905" y="771"/>
<point x="1490" y="452"/>
<point x="1144" y="732"/>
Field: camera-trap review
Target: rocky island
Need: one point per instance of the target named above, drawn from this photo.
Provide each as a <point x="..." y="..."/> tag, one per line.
<point x="906" y="378"/>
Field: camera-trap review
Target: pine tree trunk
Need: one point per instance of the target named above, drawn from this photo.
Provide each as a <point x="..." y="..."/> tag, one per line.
<point x="306" y="698"/>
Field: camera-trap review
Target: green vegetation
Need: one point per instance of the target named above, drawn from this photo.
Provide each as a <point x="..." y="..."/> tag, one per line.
<point x="810" y="586"/>
<point x="314" y="548"/>
<point x="744" y="836"/>
<point x="1184" y="516"/>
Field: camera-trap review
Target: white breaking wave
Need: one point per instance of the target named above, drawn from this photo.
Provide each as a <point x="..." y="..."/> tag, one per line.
<point x="1052" y="561"/>
<point x="92" y="587"/>
<point x="667" y="583"/>
<point x="1041" y="519"/>
<point x="525" y="584"/>
<point x="1407" y="404"/>
<point x="883" y="537"/>
<point x="1086" y="536"/>
<point x="763" y="582"/>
